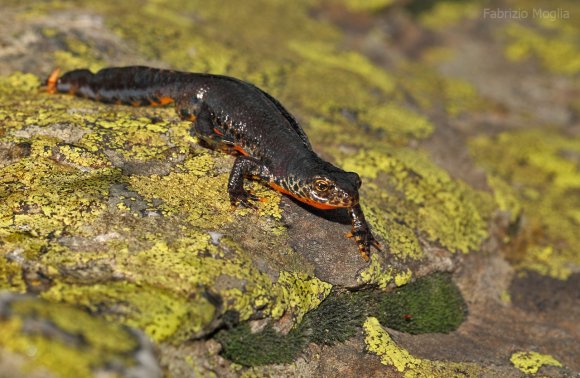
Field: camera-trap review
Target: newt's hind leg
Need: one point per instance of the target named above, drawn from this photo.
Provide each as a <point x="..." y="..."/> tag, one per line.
<point x="244" y="167"/>
<point x="204" y="127"/>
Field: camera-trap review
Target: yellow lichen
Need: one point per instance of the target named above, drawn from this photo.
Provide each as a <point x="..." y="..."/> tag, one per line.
<point x="375" y="274"/>
<point x="131" y="135"/>
<point x="505" y="197"/>
<point x="159" y="313"/>
<point x="403" y="278"/>
<point x="79" y="157"/>
<point x="324" y="55"/>
<point x="548" y="261"/>
<point x="531" y="362"/>
<point x="365" y="5"/>
<point x="430" y="90"/>
<point x="75" y="197"/>
<point x="70" y="61"/>
<point x="196" y="192"/>
<point x="379" y="342"/>
<point x="398" y="122"/>
<point x="461" y="97"/>
<point x="446" y="13"/>
<point x="421" y="196"/>
<point x="185" y="270"/>
<point x="557" y="53"/>
<point x="299" y="293"/>
<point x="400" y="239"/>
<point x="505" y="297"/>
<point x="101" y="342"/>
<point x="11" y="275"/>
<point x="541" y="170"/>
<point x="19" y="82"/>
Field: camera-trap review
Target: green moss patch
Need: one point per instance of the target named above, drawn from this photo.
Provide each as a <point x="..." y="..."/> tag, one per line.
<point x="266" y="347"/>
<point x="431" y="304"/>
<point x="337" y="319"/>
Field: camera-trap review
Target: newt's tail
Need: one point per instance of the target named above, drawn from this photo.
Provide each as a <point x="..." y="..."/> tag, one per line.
<point x="52" y="80"/>
<point x="137" y="86"/>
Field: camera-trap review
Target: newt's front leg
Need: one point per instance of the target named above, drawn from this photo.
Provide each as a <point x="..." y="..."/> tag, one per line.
<point x="244" y="167"/>
<point x="361" y="232"/>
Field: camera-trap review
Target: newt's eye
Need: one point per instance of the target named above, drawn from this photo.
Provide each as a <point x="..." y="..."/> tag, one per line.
<point x="321" y="185"/>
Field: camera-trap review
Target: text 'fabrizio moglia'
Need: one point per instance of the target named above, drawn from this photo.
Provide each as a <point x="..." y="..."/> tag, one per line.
<point x="519" y="14"/>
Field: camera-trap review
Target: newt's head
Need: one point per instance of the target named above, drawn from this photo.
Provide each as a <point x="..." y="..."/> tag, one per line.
<point x="324" y="187"/>
<point x="338" y="189"/>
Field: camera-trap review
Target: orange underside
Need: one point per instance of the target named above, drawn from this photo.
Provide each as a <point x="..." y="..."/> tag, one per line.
<point x="165" y="100"/>
<point x="240" y="150"/>
<point x="162" y="101"/>
<point x="278" y="188"/>
<point x="307" y="201"/>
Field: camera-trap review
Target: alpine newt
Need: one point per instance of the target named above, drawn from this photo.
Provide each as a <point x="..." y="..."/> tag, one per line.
<point x="237" y="117"/>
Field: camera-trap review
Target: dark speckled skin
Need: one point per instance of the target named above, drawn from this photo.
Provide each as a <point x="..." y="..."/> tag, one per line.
<point x="235" y="116"/>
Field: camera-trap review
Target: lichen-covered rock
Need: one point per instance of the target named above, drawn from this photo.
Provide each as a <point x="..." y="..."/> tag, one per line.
<point x="62" y="341"/>
<point x="541" y="171"/>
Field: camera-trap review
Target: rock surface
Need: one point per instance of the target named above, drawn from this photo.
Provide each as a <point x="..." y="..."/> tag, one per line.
<point x="463" y="126"/>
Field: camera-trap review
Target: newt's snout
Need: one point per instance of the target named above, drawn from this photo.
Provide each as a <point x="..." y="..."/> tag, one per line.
<point x="344" y="199"/>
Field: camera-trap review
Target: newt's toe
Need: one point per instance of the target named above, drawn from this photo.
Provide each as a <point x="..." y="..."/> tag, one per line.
<point x="244" y="199"/>
<point x="364" y="254"/>
<point x="252" y="196"/>
<point x="365" y="241"/>
<point x="248" y="204"/>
